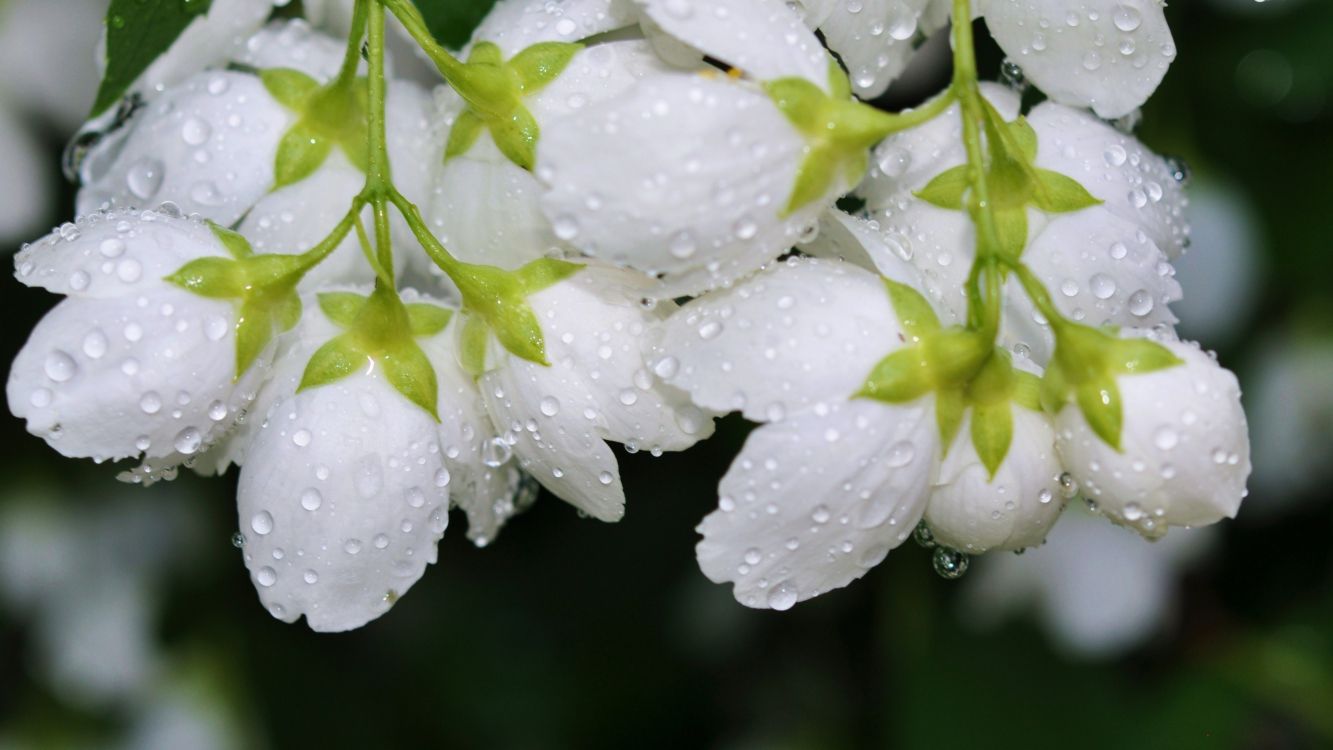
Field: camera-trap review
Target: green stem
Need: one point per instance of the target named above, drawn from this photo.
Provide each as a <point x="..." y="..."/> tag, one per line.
<point x="408" y="15"/>
<point x="888" y="123"/>
<point x="352" y="56"/>
<point x="379" y="180"/>
<point x="433" y="247"/>
<point x="316" y="254"/>
<point x="1036" y="291"/>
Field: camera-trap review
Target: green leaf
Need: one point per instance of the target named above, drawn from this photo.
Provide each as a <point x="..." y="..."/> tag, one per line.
<point x="238" y="246"/>
<point x="464" y="133"/>
<point x="137" y="33"/>
<point x="541" y="63"/>
<point x="517" y="137"/>
<point x="545" y="272"/>
<point x="300" y="152"/>
<point x="947" y="189"/>
<point x="950" y="404"/>
<point x="1099" y="400"/>
<point x="1137" y="356"/>
<point x="901" y="377"/>
<point x="341" y="307"/>
<point x="291" y="88"/>
<point x="426" y="319"/>
<point x="216" y="278"/>
<point x="915" y="314"/>
<point x="410" y="372"/>
<point x="1056" y="193"/>
<point x="339" y="357"/>
<point x="992" y="432"/>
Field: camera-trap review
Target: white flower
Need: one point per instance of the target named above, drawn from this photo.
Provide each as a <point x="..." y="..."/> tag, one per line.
<point x="973" y="512"/>
<point x="1099" y="590"/>
<point x="1109" y="55"/>
<point x="343" y="493"/>
<point x="598" y="387"/>
<point x="128" y="363"/>
<point x="210" y="145"/>
<point x="1184" y="452"/>
<point x="875" y="38"/>
<point x="515" y="25"/>
<point x="484" y="207"/>
<point x="692" y="177"/>
<point x="1103" y="265"/>
<point x="831" y="483"/>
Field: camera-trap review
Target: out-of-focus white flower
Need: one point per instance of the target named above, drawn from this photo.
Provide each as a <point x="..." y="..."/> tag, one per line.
<point x="830" y="483"/>
<point x="1184" y="451"/>
<point x="1290" y="399"/>
<point x="1099" y="590"/>
<point x="1223" y="266"/>
<point x="129" y="363"/>
<point x="598" y="386"/>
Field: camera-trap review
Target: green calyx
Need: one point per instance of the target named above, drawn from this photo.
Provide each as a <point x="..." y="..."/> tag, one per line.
<point x="1084" y="369"/>
<point x="1013" y="183"/>
<point x="838" y="130"/>
<point x="380" y="331"/>
<point x="328" y="117"/>
<point x="263" y="288"/>
<point x="495" y="301"/>
<point x="494" y="90"/>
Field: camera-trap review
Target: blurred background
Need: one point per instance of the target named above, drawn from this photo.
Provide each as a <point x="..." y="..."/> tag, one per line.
<point x="127" y="619"/>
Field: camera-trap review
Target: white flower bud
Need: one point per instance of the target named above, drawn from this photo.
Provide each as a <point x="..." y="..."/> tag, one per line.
<point x="1185" y="450"/>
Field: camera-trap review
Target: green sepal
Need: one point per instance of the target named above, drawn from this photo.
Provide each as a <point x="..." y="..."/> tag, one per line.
<point x="300" y="152"/>
<point x="259" y="318"/>
<point x="341" y="307"/>
<point x="1022" y="134"/>
<point x="545" y="272"/>
<point x="950" y="405"/>
<point x="955" y="354"/>
<point x="839" y="85"/>
<point x="947" y="188"/>
<point x="1011" y="224"/>
<point x="901" y="377"/>
<point x="800" y="101"/>
<point x="1053" y="391"/>
<point x="1027" y="390"/>
<point x="1138" y="356"/>
<point x="914" y="313"/>
<point x="290" y="87"/>
<point x="409" y="370"/>
<point x="339" y="357"/>
<point x="425" y="319"/>
<point x="1056" y="193"/>
<point x="814" y="176"/>
<point x="538" y="65"/>
<point x="992" y="433"/>
<point x="1099" y="400"/>
<point x="463" y="134"/>
<point x="499" y="297"/>
<point x="486" y="53"/>
<point x="472" y="346"/>
<point x="236" y="244"/>
<point x="213" y="277"/>
<point x="516" y="136"/>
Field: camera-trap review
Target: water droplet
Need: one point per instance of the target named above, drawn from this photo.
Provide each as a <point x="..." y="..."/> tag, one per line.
<point x="311" y="499"/>
<point x="266" y="576"/>
<point x="783" y="596"/>
<point x="262" y="523"/>
<point x="150" y="402"/>
<point x="1140" y="303"/>
<point x="901" y="454"/>
<point x="550" y="406"/>
<point x="238" y="540"/>
<point x="310" y="577"/>
<point x="949" y="563"/>
<point x="301" y="438"/>
<point x="1102" y="286"/>
<point x="1127" y="18"/>
<point x="60" y="367"/>
<point x="144" y="178"/>
<point x="188" y="441"/>
<point x="352" y="546"/>
<point x="496" y="452"/>
<point x="1166" y="438"/>
<point x="605" y="477"/>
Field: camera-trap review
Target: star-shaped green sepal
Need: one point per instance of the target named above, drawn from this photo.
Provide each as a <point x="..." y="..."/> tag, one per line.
<point x="380" y="330"/>
<point x="263" y="287"/>
<point x="328" y="117"/>
<point x="496" y="302"/>
<point x="494" y="90"/>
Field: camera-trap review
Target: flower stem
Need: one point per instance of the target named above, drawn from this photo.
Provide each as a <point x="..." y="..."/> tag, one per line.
<point x="407" y="14"/>
<point x="352" y="56"/>
<point x="379" y="181"/>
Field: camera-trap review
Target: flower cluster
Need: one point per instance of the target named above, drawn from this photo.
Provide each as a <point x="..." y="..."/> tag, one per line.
<point x="381" y="303"/>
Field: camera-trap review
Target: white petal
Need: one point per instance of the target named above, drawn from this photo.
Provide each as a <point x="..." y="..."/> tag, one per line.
<point x="864" y="243"/>
<point x="209" y="41"/>
<point x="766" y="40"/>
<point x="294" y="44"/>
<point x="973" y="512"/>
<point x="816" y="500"/>
<point x="684" y="175"/>
<point x="207" y="145"/>
<point x="114" y="254"/>
<point x="876" y="39"/>
<point x="338" y="503"/>
<point x="515" y="25"/>
<point x="799" y="333"/>
<point x="1106" y="54"/>
<point x="116" y="377"/>
<point x="1135" y="183"/>
<point x="1185" y="449"/>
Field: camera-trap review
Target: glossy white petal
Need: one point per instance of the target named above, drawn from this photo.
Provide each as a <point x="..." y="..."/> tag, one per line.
<point x="1136" y="184"/>
<point x="116" y="377"/>
<point x="515" y="25"/>
<point x="766" y="40"/>
<point x="486" y="209"/>
<point x="864" y="243"/>
<point x="209" y="41"/>
<point x="876" y="39"/>
<point x="973" y="512"/>
<point x="339" y="502"/>
<point x="207" y="145"/>
<point x="294" y="44"/>
<point x="598" y="387"/>
<point x="684" y="175"/>
<point x="816" y="500"/>
<point x="1109" y="55"/>
<point x="1088" y="612"/>
<point x="799" y="333"/>
<point x="1185" y="447"/>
